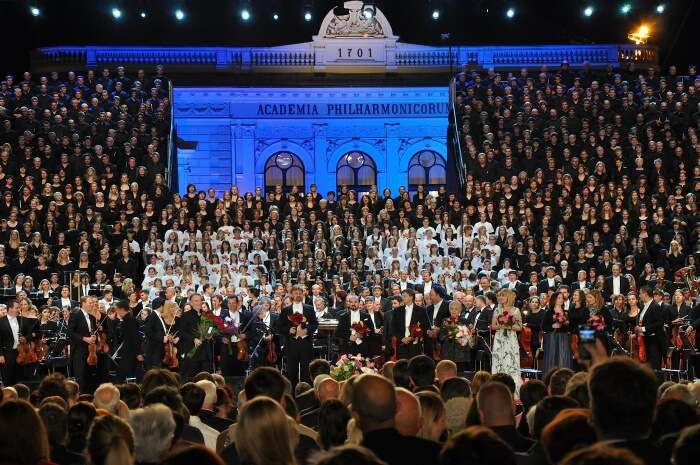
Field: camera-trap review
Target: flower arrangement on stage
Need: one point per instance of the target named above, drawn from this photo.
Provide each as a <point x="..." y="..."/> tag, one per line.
<point x="360" y="329"/>
<point x="416" y="332"/>
<point x="209" y="326"/>
<point x="347" y="366"/>
<point x="597" y="322"/>
<point x="506" y="320"/>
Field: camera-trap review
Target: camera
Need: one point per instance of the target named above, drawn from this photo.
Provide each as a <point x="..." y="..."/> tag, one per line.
<point x="586" y="335"/>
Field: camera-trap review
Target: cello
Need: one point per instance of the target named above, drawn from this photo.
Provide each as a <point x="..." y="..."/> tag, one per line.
<point x="271" y="356"/>
<point x="26" y="351"/>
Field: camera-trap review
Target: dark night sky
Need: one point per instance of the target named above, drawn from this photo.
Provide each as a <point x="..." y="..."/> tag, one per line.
<point x="216" y="22"/>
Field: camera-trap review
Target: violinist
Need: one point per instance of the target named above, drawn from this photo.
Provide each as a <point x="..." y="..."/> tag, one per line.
<point x="264" y="321"/>
<point x="127" y="342"/>
<point x="29" y="323"/>
<point x="235" y="361"/>
<point x="82" y="327"/>
<point x="533" y="316"/>
<point x="11" y="336"/>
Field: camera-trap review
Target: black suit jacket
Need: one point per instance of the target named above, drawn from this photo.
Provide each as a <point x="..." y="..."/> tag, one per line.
<point x="653" y="324"/>
<point x="130" y="341"/>
<point x="608" y="287"/>
<point x="396" y="449"/>
<point x="398" y="320"/>
<point x="442" y="313"/>
<point x="7" y="340"/>
<point x="284" y="325"/>
<point x="344" y="330"/>
<point x="78" y="329"/>
<point x="154" y="333"/>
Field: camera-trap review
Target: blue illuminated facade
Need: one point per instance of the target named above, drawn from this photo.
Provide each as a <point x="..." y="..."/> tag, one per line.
<point x="299" y="136"/>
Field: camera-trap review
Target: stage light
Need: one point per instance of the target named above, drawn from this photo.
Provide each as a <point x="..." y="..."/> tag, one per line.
<point x="308" y="16"/>
<point x="34" y="11"/>
<point x="179" y="14"/>
<point x="625" y="8"/>
<point x="510" y="13"/>
<point x="308" y="11"/>
<point x="275" y="16"/>
<point x="369" y="10"/>
<point x="245" y="14"/>
<point x="436" y="14"/>
<point x="588" y="11"/>
<point x="143" y="15"/>
<point x="116" y="13"/>
<point x="660" y="8"/>
<point x="641" y="35"/>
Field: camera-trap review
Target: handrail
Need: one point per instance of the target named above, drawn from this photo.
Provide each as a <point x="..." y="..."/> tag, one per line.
<point x="171" y="140"/>
<point x="456" y="139"/>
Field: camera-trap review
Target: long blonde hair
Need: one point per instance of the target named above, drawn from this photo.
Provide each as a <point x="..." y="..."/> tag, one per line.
<point x="263" y="421"/>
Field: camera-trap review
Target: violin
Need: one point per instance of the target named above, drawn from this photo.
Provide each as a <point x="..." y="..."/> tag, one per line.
<point x="26" y="350"/>
<point x="170" y="359"/>
<point x="92" y="353"/>
<point x="525" y="339"/>
<point x="394" y="346"/>
<point x="271" y="356"/>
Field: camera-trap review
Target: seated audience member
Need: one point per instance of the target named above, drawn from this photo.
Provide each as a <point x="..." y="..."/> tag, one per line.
<point x="326" y="389"/>
<point x="544" y="412"/>
<point x="374" y="409"/>
<point x="687" y="448"/>
<point x="171" y="398"/>
<point x="80" y="418"/>
<point x="130" y="394"/>
<point x="193" y="398"/>
<point x="54" y="417"/>
<point x="456" y="393"/>
<point x="569" y="431"/>
<point x="207" y="413"/>
<point x="421" y="372"/>
<point x="623" y="402"/>
<point x="530" y="394"/>
<point x="476" y="445"/>
<point x="333" y="418"/>
<point x="195" y="454"/>
<point x="307" y="400"/>
<point x="111" y="441"/>
<point x="671" y="417"/>
<point x="577" y="389"/>
<point x="349" y="454"/>
<point x="154" y="432"/>
<point x="602" y="454"/>
<point x="497" y="411"/>
<point x="444" y="370"/>
<point x="265" y="435"/>
<point x="408" y="419"/>
<point x="557" y="382"/>
<point x="268" y="382"/>
<point x="23" y="438"/>
<point x="107" y="397"/>
<point x="402" y="376"/>
<point x="433" y="416"/>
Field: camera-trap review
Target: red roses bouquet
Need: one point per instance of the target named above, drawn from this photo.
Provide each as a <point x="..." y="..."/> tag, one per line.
<point x="360" y="329"/>
<point x="209" y="326"/>
<point x="561" y="319"/>
<point x="597" y="322"/>
<point x="298" y="319"/>
<point x="416" y="332"/>
<point x="506" y="319"/>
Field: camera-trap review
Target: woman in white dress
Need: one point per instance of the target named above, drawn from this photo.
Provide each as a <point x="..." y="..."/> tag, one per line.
<point x="506" y="322"/>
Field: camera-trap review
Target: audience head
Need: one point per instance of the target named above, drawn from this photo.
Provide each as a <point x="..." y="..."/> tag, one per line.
<point x="349" y="454"/>
<point x="421" y="371"/>
<point x="209" y="389"/>
<point x="408" y="419"/>
<point x="333" y="418"/>
<point x="455" y="387"/>
<point x="154" y="431"/>
<point x="495" y="404"/>
<point x="110" y="441"/>
<point x="263" y="421"/>
<point x="546" y="410"/>
<point x="192" y="454"/>
<point x="570" y="430"/>
<point x="327" y="389"/>
<point x="401" y="374"/>
<point x="433" y="416"/>
<point x="623" y="398"/>
<point x="23" y="437"/>
<point x="558" y="381"/>
<point x="265" y="381"/>
<point x="80" y="418"/>
<point x="444" y="370"/>
<point x="107" y="397"/>
<point x="687" y="448"/>
<point x="374" y="403"/>
<point x="476" y="445"/>
<point x="602" y="454"/>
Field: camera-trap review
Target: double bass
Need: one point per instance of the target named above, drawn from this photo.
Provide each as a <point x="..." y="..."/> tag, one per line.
<point x="26" y="350"/>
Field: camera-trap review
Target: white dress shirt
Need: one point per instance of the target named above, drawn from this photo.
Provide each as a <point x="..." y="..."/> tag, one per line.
<point x="436" y="309"/>
<point x="14" y="326"/>
<point x="616" y="285"/>
<point x="643" y="312"/>
<point x="354" y="317"/>
<point x="87" y="318"/>
<point x="409" y="314"/>
<point x="297" y="307"/>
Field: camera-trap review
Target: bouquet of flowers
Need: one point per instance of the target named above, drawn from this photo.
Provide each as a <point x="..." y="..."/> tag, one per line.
<point x="360" y="329"/>
<point x="506" y="319"/>
<point x="687" y="275"/>
<point x="209" y="326"/>
<point x="461" y="334"/>
<point x="561" y="319"/>
<point x="416" y="332"/>
<point x="597" y="322"/>
<point x="347" y="366"/>
<point x="298" y="319"/>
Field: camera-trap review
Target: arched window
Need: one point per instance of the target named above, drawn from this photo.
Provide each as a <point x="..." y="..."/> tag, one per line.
<point x="357" y="171"/>
<point x="284" y="169"/>
<point x="426" y="168"/>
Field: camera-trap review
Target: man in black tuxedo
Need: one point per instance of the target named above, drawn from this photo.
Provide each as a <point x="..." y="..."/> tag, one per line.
<point x="233" y="315"/>
<point x="437" y="311"/>
<point x="650" y="324"/>
<point x="156" y="334"/>
<point x="189" y="336"/>
<point x="298" y="343"/>
<point x="481" y="320"/>
<point x="128" y="349"/>
<point x="616" y="283"/>
<point x="81" y="330"/>
<point x="64" y="299"/>
<point x="350" y="342"/>
<point x="550" y="282"/>
<point x="12" y="333"/>
<point x="403" y="318"/>
<point x="520" y="288"/>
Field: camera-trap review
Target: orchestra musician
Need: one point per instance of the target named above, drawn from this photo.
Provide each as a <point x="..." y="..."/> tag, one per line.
<point x="233" y="315"/>
<point x="262" y="342"/>
<point x="64" y="300"/>
<point x="373" y="307"/>
<point x="11" y="335"/>
<point x="350" y="341"/>
<point x="201" y="359"/>
<point x="437" y="311"/>
<point x="82" y="328"/>
<point x="650" y="324"/>
<point x="404" y="318"/>
<point x="298" y="338"/>
<point x="127" y="342"/>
